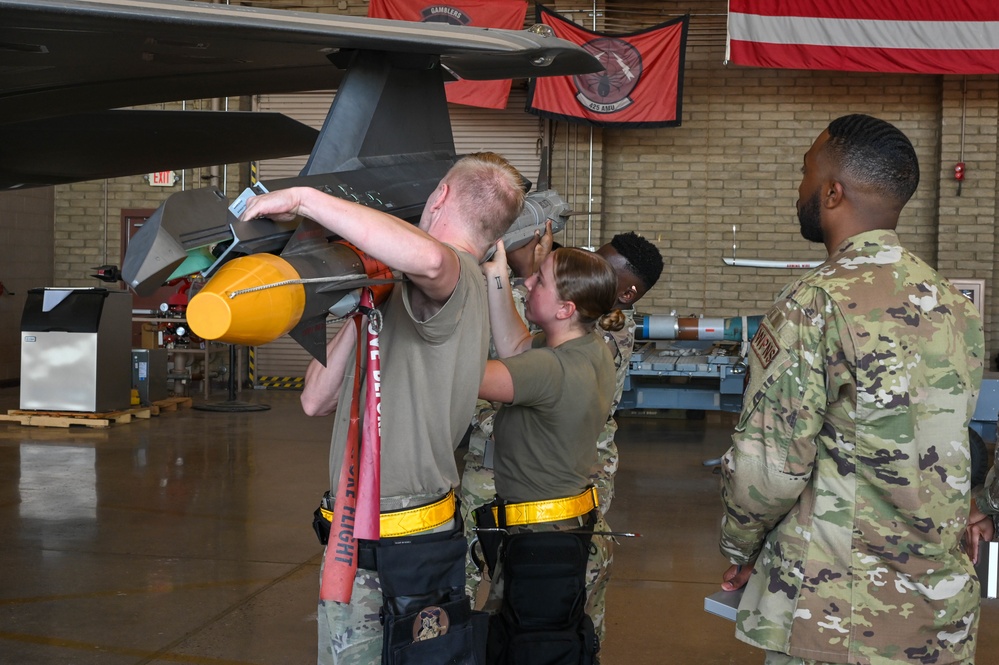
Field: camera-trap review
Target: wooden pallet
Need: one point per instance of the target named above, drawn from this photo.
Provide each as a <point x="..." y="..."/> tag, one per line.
<point x="170" y="404"/>
<point x="94" y="419"/>
<point x="70" y="418"/>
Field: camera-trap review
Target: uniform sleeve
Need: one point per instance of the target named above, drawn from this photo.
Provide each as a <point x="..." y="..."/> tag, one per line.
<point x="773" y="448"/>
<point x="987" y="497"/>
<point x="536" y="375"/>
<point x="441" y="325"/>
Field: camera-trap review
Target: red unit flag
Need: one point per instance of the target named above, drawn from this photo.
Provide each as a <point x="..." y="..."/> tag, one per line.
<point x="506" y="14"/>
<point x="891" y="36"/>
<point x="641" y="85"/>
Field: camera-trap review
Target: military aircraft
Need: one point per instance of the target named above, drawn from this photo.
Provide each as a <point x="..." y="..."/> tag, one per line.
<point x="66" y="64"/>
<point x="68" y="67"/>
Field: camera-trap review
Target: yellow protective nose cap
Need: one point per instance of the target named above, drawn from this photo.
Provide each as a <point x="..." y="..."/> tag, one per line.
<point x="250" y="318"/>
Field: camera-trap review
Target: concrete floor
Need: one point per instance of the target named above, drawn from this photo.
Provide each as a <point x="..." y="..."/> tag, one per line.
<point x="186" y="538"/>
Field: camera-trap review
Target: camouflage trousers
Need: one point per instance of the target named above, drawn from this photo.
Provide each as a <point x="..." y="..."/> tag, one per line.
<point x="351" y="633"/>
<point x="598" y="576"/>
<point x="597" y="573"/>
<point x="777" y="658"/>
<point x="603" y="474"/>
<point x="478" y="487"/>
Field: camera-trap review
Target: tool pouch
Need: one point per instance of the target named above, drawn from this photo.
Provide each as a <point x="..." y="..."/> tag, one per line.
<point x="320" y="524"/>
<point x="542" y="619"/>
<point x="489" y="541"/>
<point x="426" y="616"/>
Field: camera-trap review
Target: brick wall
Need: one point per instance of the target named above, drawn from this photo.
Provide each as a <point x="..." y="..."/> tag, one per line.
<point x="736" y="161"/>
<point x="88" y="214"/>
<point x="966" y="221"/>
<point x="736" y="158"/>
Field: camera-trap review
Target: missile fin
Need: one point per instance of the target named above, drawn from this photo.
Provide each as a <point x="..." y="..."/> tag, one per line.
<point x="543" y="180"/>
<point x="310" y="333"/>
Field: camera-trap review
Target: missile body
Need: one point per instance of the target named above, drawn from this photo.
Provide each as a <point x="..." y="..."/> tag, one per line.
<point x="257" y="298"/>
<point x="254" y="299"/>
<point x="539" y="207"/>
<point x="689" y="328"/>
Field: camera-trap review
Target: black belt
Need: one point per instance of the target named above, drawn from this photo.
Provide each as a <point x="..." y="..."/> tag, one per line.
<point x="367" y="550"/>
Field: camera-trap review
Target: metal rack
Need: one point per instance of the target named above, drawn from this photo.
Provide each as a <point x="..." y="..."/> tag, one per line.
<point x="206" y="352"/>
<point x="685" y="374"/>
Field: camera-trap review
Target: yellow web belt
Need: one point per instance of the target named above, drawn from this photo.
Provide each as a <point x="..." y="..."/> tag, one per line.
<point x="413" y="520"/>
<point x="551" y="510"/>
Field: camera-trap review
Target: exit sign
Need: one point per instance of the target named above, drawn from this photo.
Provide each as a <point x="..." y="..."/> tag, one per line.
<point x="162" y="178"/>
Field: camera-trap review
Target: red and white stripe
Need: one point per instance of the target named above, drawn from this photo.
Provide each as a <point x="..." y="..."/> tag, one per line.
<point x="898" y="36"/>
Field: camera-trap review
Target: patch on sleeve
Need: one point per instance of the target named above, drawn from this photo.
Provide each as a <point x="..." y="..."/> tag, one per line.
<point x="764" y="345"/>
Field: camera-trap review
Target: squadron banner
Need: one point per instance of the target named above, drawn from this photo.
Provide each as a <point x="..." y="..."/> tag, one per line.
<point x="508" y="14"/>
<point x="641" y="85"/>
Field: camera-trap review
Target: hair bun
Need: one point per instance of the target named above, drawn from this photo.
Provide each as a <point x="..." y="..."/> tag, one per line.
<point x="613" y="320"/>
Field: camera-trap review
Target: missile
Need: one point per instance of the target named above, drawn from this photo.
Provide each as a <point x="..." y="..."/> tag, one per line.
<point x="539" y="207"/>
<point x="194" y="231"/>
<point x="254" y="299"/>
<point x="734" y="328"/>
<point x="198" y="230"/>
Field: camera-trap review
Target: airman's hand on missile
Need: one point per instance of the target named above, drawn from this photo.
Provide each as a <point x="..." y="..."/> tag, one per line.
<point x="497" y="265"/>
<point x="544" y="246"/>
<point x="527" y="259"/>
<point x="282" y="205"/>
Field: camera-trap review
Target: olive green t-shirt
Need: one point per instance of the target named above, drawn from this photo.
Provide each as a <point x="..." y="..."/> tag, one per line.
<point x="430" y="376"/>
<point x="546" y="437"/>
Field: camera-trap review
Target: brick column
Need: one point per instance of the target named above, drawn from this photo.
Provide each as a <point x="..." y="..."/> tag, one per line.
<point x="966" y="229"/>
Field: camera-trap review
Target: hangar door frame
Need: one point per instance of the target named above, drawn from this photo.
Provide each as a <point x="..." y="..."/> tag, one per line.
<point x="512" y="132"/>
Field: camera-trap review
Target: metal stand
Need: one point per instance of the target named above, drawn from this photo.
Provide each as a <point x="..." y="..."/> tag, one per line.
<point x="232" y="404"/>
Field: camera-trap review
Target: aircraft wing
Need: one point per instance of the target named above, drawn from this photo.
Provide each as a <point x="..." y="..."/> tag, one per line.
<point x="106" y="144"/>
<point x="62" y="58"/>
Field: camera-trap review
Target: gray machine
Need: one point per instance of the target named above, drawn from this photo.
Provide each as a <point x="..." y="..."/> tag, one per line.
<point x="76" y="349"/>
<point x="149" y="375"/>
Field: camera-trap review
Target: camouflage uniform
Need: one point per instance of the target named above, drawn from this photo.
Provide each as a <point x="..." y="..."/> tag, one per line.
<point x="621" y="344"/>
<point x="598" y="576"/>
<point x="987" y="496"/>
<point x="478" y="486"/>
<point x="848" y="478"/>
<point x="351" y="633"/>
<point x="775" y="658"/>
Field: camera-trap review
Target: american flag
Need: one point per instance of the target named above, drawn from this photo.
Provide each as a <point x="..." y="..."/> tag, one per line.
<point x="898" y="36"/>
